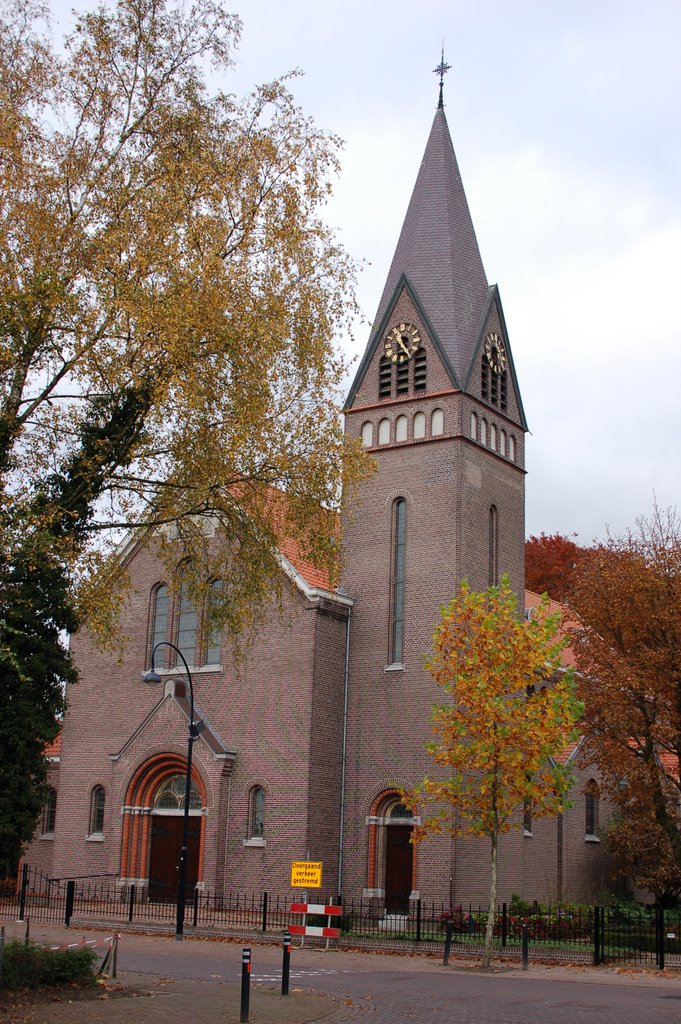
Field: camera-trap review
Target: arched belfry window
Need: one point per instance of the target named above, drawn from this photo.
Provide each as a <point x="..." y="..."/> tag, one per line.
<point x="399" y="534"/>
<point x="493" y="546"/>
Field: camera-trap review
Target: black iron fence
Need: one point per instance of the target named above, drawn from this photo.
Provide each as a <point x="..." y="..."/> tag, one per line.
<point x="625" y="932"/>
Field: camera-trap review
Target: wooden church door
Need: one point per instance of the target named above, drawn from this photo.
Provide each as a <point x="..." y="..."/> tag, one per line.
<point x="399" y="856"/>
<point x="166" y="843"/>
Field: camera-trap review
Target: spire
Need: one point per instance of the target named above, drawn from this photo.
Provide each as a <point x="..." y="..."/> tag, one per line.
<point x="438" y="252"/>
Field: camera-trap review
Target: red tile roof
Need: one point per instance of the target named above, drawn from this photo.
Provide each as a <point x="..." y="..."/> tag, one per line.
<point x="533" y="600"/>
<point x="53" y="749"/>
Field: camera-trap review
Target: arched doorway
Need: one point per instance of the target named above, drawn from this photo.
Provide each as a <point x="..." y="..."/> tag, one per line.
<point x="392" y="861"/>
<point x="153" y="818"/>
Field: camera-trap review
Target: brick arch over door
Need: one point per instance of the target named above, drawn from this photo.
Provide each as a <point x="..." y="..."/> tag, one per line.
<point x="137" y="808"/>
<point x="379" y="823"/>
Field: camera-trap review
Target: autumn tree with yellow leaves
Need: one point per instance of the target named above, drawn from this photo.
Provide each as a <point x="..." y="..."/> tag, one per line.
<point x="169" y="300"/>
<point x="511" y="709"/>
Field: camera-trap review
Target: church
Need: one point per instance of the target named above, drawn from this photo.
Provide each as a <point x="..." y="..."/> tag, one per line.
<point x="307" y="744"/>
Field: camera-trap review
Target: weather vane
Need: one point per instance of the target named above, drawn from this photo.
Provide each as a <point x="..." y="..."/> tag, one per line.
<point x="442" y="70"/>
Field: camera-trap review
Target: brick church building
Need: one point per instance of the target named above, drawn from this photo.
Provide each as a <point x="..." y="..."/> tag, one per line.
<point x="306" y="746"/>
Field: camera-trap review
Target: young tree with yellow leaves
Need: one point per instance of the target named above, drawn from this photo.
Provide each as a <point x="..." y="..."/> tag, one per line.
<point x="512" y="708"/>
<point x="169" y="300"/>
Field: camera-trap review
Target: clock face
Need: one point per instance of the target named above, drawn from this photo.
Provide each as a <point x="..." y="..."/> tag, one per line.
<point x="401" y="342"/>
<point x="495" y="352"/>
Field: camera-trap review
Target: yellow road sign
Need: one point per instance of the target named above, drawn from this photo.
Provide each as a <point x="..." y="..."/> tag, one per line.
<point x="306" y="874"/>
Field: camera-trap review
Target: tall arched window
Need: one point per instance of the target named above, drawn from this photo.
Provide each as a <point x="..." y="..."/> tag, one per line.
<point x="256" y="815"/>
<point x="159" y="619"/>
<point x="493" y="437"/>
<point x="420" y="424"/>
<point x="384" y="431"/>
<point x="97" y="803"/>
<point x="511" y="447"/>
<point x="474" y="426"/>
<point x="397" y="604"/>
<point x="401" y="428"/>
<point x="213" y="633"/>
<point x="483" y="431"/>
<point x="49" y="813"/>
<point x="187" y="621"/>
<point x="493" y="546"/>
<point x="502" y="443"/>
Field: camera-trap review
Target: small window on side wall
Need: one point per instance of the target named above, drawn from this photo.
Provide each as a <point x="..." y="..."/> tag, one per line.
<point x="591" y="801"/>
<point x="49" y="813"/>
<point x="97" y="804"/>
<point x="256" y="824"/>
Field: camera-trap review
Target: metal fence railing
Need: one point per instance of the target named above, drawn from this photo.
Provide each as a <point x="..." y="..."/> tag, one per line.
<point x="624" y="932"/>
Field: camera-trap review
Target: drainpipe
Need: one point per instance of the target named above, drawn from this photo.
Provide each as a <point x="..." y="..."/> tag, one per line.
<point x="344" y="746"/>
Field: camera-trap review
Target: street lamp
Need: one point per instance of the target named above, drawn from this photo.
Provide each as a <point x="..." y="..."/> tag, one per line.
<point x="195" y="728"/>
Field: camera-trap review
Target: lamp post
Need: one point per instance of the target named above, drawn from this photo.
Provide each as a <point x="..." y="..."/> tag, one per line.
<point x="195" y="728"/>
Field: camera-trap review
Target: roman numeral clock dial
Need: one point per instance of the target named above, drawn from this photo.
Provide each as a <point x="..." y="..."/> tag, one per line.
<point x="401" y="342"/>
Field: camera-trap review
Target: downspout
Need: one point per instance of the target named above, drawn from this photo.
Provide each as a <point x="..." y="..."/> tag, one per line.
<point x="344" y="747"/>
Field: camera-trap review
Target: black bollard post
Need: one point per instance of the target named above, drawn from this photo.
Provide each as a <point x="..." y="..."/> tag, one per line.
<point x="131" y="903"/>
<point x="286" y="966"/>
<point x="449" y="927"/>
<point x="245" y="984"/>
<point x="24" y="890"/>
<point x="70" y="897"/>
<point x="526" y="946"/>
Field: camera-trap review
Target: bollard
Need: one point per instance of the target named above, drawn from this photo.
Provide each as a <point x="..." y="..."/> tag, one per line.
<point x="70" y="897"/>
<point x="526" y="945"/>
<point x="131" y="903"/>
<point x="449" y="927"/>
<point x="2" y="950"/>
<point x="195" y="918"/>
<point x="245" y="984"/>
<point x="24" y="891"/>
<point x="286" y="966"/>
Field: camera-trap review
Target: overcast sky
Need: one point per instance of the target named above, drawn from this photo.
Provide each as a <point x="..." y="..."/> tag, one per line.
<point x="566" y="122"/>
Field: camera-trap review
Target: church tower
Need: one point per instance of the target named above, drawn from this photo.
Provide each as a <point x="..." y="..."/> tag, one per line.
<point x="436" y="404"/>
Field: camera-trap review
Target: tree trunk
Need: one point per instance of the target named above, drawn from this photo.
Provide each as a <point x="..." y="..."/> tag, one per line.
<point x="489" y="930"/>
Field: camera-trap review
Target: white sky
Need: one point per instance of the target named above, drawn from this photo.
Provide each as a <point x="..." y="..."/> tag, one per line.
<point x="566" y="121"/>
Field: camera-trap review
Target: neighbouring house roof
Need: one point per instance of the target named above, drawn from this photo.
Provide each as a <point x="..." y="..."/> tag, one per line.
<point x="533" y="600"/>
<point x="53" y="749"/>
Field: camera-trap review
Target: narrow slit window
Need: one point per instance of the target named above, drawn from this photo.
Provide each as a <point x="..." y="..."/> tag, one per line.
<point x="399" y="544"/>
<point x="213" y="630"/>
<point x="384" y="431"/>
<point x="493" y="546"/>
<point x="401" y="428"/>
<point x="420" y="424"/>
<point x="474" y="426"/>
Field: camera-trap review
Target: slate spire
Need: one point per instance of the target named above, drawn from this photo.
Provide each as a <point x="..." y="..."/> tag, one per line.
<point x="438" y="253"/>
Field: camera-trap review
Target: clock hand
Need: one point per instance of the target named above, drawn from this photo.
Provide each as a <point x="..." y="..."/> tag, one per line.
<point x="402" y="345"/>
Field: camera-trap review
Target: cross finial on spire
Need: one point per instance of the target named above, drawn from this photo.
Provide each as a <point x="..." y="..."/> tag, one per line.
<point x="442" y="70"/>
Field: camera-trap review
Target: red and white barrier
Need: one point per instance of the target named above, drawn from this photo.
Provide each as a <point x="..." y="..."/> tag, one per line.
<point x="327" y="910"/>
